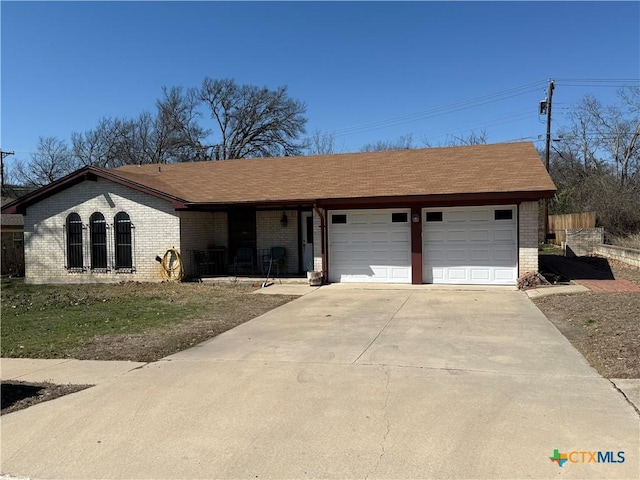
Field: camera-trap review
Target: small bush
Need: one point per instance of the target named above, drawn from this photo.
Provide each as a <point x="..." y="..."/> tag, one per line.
<point x="628" y="241"/>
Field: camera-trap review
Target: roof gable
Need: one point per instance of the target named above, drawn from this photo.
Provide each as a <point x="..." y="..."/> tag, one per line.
<point x="84" y="174"/>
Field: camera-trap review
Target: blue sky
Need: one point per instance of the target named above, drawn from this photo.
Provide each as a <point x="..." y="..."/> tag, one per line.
<point x="367" y="71"/>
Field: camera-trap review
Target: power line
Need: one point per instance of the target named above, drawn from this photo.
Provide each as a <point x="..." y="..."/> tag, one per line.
<point x="438" y="111"/>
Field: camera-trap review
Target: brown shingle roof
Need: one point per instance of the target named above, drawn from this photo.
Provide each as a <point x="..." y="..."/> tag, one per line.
<point x="497" y="168"/>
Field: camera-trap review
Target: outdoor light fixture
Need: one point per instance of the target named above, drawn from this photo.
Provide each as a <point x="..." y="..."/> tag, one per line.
<point x="415" y="218"/>
<point x="284" y="220"/>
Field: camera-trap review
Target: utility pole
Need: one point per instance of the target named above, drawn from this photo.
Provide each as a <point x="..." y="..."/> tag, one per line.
<point x="2" y="155"/>
<point x="547" y="109"/>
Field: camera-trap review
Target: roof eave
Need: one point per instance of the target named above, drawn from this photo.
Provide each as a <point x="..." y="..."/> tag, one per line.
<point x="429" y="199"/>
<point x="89" y="173"/>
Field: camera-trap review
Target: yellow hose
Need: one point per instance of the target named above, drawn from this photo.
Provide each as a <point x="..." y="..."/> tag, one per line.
<point x="171" y="264"/>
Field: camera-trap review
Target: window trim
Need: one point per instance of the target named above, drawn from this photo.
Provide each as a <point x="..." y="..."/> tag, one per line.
<point x="340" y="217"/>
<point x="439" y="216"/>
<point x="403" y="217"/>
<point x="502" y="212"/>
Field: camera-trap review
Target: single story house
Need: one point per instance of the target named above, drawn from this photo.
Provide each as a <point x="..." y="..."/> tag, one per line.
<point x="457" y="215"/>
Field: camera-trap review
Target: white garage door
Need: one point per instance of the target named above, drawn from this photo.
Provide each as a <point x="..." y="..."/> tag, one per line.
<point x="370" y="246"/>
<point x="470" y="245"/>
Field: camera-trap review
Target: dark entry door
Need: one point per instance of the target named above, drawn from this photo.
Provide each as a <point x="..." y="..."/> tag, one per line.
<point x="242" y="230"/>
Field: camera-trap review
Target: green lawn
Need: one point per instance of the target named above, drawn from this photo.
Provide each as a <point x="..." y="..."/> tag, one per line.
<point x="46" y="321"/>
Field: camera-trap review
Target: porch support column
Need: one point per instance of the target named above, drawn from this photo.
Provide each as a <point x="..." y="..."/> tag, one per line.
<point x="416" y="246"/>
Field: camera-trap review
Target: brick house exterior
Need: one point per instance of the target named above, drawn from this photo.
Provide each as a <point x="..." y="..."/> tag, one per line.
<point x="366" y="216"/>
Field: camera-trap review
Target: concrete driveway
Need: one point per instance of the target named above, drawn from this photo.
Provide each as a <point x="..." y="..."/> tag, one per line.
<point x="346" y="383"/>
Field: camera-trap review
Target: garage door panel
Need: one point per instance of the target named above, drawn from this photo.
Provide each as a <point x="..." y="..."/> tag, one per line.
<point x="403" y="237"/>
<point x="457" y="235"/>
<point x="504" y="235"/>
<point x="479" y="216"/>
<point x="479" y="235"/>
<point x="456" y="216"/>
<point x="358" y="219"/>
<point x="505" y="255"/>
<point x="456" y="256"/>
<point x="374" y="248"/>
<point x="480" y="274"/>
<point x="480" y="256"/>
<point x="505" y="275"/>
<point x="468" y="245"/>
<point x="456" y="274"/>
<point x="437" y="236"/>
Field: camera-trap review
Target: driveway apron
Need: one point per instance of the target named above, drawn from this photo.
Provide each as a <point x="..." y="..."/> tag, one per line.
<point x="347" y="383"/>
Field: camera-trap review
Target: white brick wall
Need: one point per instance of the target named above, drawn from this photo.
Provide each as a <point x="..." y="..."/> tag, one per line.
<point x="528" y="237"/>
<point x="271" y="233"/>
<point x="317" y="241"/>
<point x="157" y="228"/>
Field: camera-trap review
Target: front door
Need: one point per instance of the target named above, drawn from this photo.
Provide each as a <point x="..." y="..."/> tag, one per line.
<point x="242" y="230"/>
<point x="307" y="240"/>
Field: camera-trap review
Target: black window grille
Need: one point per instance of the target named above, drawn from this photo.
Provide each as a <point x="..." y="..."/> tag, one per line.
<point x="123" y="241"/>
<point x="98" y="232"/>
<point x="337" y="218"/>
<point x="74" y="242"/>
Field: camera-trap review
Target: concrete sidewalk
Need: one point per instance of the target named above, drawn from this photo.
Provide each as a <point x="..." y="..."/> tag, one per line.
<point x="63" y="371"/>
<point x="345" y="383"/>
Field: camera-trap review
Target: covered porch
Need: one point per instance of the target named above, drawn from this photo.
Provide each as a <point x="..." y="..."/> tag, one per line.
<point x="249" y="242"/>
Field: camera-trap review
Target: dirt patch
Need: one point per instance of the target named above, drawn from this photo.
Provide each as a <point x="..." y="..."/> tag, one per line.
<point x="19" y="395"/>
<point x="603" y="326"/>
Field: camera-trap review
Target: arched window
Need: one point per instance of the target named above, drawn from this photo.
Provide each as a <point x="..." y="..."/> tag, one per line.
<point x="98" y="232"/>
<point x="74" y="241"/>
<point x="123" y="241"/>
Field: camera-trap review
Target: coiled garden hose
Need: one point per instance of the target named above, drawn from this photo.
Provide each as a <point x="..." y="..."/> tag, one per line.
<point x="172" y="269"/>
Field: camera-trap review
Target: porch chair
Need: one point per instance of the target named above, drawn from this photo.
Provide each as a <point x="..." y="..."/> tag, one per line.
<point x="243" y="260"/>
<point x="204" y="263"/>
<point x="278" y="258"/>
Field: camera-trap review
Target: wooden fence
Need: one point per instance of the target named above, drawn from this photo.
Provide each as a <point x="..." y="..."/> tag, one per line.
<point x="559" y="223"/>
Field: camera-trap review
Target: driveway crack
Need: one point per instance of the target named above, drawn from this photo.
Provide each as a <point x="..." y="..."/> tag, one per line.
<point x="383" y="449"/>
<point x="384" y="328"/>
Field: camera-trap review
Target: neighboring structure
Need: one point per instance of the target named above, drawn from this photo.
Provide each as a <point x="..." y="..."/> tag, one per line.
<point x="12" y="233"/>
<point x="461" y="215"/>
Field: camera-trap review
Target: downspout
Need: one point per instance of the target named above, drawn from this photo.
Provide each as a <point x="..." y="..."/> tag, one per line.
<point x="323" y="241"/>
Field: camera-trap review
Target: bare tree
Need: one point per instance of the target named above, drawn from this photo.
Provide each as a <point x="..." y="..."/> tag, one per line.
<point x="599" y="134"/>
<point x="250" y="121"/>
<point x="401" y="143"/>
<point x="51" y="161"/>
<point x="101" y="146"/>
<point x="596" y="164"/>
<point x="473" y="138"/>
<point x="320" y="143"/>
<point x="177" y="131"/>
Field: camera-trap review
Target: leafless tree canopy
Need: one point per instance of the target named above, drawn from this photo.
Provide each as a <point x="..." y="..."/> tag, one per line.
<point x="402" y="142"/>
<point x="249" y="121"/>
<point x="53" y="160"/>
<point x="219" y="120"/>
<point x="596" y="163"/>
<point x="320" y="143"/>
